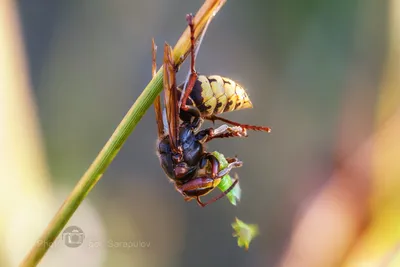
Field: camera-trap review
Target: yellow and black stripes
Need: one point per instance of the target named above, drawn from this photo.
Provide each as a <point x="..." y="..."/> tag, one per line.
<point x="215" y="95"/>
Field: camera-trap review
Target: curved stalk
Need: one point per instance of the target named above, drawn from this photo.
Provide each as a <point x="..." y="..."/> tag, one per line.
<point x="118" y="138"/>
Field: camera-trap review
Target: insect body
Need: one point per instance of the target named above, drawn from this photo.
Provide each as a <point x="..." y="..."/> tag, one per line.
<point x="216" y="94"/>
<point x="213" y="95"/>
<point x="181" y="143"/>
<point x="194" y="171"/>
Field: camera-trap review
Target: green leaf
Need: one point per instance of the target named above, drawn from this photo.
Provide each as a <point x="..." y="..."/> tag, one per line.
<point x="226" y="181"/>
<point x="245" y="233"/>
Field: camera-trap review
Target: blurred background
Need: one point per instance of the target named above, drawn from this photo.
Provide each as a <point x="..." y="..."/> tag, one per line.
<point x="323" y="186"/>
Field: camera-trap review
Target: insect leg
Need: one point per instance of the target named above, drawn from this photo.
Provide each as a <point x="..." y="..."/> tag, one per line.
<point x="245" y="126"/>
<point x="157" y="102"/>
<point x="214" y="165"/>
<point x="202" y="204"/>
<point x="195" y="55"/>
<point x="224" y="131"/>
<point x="234" y="163"/>
<point x="193" y="73"/>
<point x="230" y="160"/>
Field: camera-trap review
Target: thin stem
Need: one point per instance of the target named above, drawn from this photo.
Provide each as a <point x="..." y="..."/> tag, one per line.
<point x="114" y="144"/>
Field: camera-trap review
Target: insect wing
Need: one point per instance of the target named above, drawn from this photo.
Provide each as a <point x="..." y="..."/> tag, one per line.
<point x="171" y="102"/>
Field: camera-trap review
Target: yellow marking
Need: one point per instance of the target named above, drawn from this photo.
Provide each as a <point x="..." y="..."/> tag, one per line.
<point x="206" y="92"/>
<point x="243" y="98"/>
<point x="223" y="92"/>
<point x="239" y="102"/>
<point x="223" y="100"/>
<point x="217" y="86"/>
<point x="232" y="99"/>
<point x="230" y="87"/>
<point x="230" y="92"/>
<point x="247" y="104"/>
<point x="210" y="105"/>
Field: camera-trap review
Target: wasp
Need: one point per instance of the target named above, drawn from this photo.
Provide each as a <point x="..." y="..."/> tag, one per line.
<point x="181" y="143"/>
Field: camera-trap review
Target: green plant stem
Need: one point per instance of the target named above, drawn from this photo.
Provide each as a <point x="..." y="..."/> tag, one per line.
<point x="114" y="144"/>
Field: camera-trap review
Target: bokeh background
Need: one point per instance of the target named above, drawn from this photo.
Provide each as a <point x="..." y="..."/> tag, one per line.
<point x="323" y="186"/>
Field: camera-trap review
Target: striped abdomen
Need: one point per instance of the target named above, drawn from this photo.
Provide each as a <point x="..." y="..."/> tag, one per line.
<point x="215" y="94"/>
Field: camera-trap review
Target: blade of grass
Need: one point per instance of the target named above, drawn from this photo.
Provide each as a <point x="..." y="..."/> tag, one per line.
<point x="114" y="144"/>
